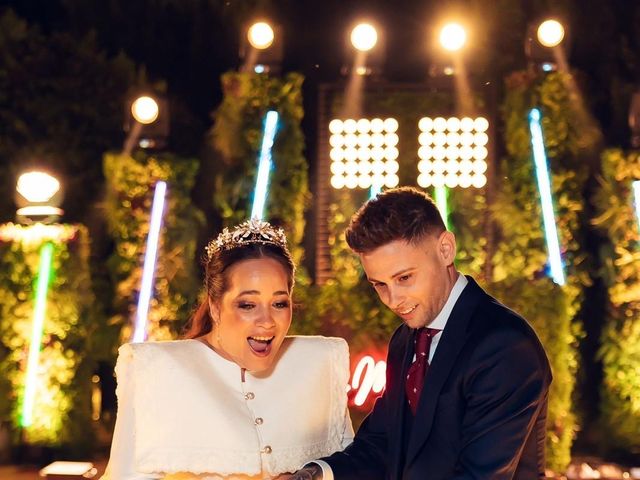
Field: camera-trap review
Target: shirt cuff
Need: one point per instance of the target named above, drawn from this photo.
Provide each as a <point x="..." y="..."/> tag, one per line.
<point x="327" y="473"/>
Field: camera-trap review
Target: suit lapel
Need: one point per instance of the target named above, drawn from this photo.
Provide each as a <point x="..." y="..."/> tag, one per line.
<point x="449" y="347"/>
<point x="397" y="398"/>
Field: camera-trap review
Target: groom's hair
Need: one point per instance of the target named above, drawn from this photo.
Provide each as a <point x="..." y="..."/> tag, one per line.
<point x="403" y="213"/>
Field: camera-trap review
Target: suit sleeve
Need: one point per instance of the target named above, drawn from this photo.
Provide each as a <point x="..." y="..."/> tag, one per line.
<point x="366" y="458"/>
<point x="121" y="464"/>
<point x="506" y="394"/>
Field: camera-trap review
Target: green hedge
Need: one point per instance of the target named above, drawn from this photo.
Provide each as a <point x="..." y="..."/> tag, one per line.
<point x="620" y="350"/>
<point x="237" y="137"/>
<point x="519" y="263"/>
<point x="62" y="416"/>
<point x="130" y="182"/>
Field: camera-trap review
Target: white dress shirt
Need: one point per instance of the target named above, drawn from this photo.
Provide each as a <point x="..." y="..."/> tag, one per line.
<point x="439" y="323"/>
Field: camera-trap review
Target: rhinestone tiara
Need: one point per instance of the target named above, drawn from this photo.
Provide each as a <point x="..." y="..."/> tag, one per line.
<point x="247" y="233"/>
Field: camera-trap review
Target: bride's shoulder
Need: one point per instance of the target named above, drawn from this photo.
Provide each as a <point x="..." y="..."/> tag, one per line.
<point x="318" y="342"/>
<point x="146" y="349"/>
<point x="317" y="348"/>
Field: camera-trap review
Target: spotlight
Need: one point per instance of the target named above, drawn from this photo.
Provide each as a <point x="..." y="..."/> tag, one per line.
<point x="260" y="35"/>
<point x="261" y="47"/>
<point x="364" y="153"/>
<point x="364" y="37"/>
<point x="145" y="110"/>
<point x="146" y="120"/>
<point x="453" y="37"/>
<point x="550" y="33"/>
<point x="364" y="50"/>
<point x="542" y="41"/>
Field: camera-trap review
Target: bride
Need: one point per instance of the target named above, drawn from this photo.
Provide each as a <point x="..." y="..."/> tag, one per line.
<point x="236" y="399"/>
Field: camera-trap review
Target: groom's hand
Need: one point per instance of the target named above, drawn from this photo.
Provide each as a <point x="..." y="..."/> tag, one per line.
<point x="310" y="472"/>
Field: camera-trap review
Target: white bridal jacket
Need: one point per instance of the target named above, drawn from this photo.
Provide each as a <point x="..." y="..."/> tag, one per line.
<point x="184" y="412"/>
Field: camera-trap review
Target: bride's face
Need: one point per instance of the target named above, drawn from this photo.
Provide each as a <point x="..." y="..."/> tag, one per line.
<point x="254" y="314"/>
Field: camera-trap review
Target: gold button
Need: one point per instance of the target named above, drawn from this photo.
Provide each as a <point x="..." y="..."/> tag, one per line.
<point x="249" y="396"/>
<point x="259" y="421"/>
<point x="267" y="449"/>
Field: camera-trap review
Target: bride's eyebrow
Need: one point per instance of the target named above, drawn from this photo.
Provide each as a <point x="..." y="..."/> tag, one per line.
<point x="249" y="292"/>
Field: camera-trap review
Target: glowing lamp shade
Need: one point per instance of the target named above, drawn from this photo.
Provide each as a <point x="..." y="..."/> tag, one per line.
<point x="145" y="110"/>
<point x="453" y="36"/>
<point x="37" y="187"/>
<point x="364" y="37"/>
<point x="264" y="165"/>
<point x="149" y="268"/>
<point x="550" y="33"/>
<point x="39" y="314"/>
<point x="260" y="35"/>
<point x="546" y="199"/>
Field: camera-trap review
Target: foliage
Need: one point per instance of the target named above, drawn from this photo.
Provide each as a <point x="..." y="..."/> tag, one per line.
<point x="520" y="260"/>
<point x="130" y="186"/>
<point x="237" y="137"/>
<point x="61" y="103"/>
<point x="620" y="350"/>
<point x="62" y="415"/>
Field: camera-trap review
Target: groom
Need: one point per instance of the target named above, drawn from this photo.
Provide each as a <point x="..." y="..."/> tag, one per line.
<point x="467" y="378"/>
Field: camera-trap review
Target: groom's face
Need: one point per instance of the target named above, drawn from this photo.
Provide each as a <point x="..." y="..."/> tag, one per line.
<point x="413" y="279"/>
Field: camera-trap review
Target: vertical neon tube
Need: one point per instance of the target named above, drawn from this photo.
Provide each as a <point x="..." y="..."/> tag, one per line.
<point x="374" y="190"/>
<point x="39" y="311"/>
<point x="441" y="202"/>
<point x="546" y="199"/>
<point x="150" y="256"/>
<point x="636" y="199"/>
<point x="264" y="165"/>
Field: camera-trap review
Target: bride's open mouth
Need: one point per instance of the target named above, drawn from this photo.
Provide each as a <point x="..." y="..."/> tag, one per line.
<point x="260" y="346"/>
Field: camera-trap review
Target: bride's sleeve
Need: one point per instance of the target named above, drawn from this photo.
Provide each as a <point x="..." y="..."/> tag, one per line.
<point x="347" y="433"/>
<point x="121" y="460"/>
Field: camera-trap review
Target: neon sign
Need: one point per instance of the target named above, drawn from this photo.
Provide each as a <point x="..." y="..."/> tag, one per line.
<point x="369" y="379"/>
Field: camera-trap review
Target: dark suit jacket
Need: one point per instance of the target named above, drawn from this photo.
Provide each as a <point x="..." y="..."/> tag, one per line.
<point x="482" y="411"/>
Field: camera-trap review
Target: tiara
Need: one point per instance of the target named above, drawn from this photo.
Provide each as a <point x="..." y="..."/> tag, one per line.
<point x="249" y="232"/>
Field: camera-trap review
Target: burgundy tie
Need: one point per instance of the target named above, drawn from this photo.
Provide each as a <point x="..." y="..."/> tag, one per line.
<point x="418" y="369"/>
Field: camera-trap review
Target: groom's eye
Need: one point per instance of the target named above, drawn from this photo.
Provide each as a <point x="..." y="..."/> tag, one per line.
<point x="404" y="278"/>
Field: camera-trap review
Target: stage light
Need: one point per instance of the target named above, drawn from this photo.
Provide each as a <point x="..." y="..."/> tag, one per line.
<point x="146" y="120"/>
<point x="336" y="126"/>
<point x="445" y="142"/>
<point x="636" y="199"/>
<point x="260" y="35"/>
<point x="447" y="146"/>
<point x="149" y="265"/>
<point x="453" y="37"/>
<point x="264" y="165"/>
<point x="145" y="110"/>
<point x="39" y="314"/>
<point x="550" y="33"/>
<point x="364" y="37"/>
<point x="369" y="147"/>
<point x="546" y="197"/>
